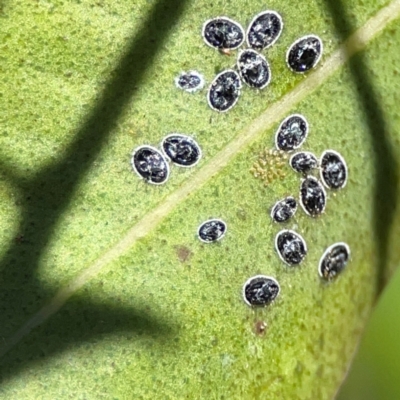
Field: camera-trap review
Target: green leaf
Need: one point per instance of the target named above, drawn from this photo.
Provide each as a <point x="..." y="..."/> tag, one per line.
<point x="105" y="289"/>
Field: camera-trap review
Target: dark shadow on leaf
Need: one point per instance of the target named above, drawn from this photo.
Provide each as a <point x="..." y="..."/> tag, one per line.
<point x="385" y="164"/>
<point x="82" y="322"/>
<point x="7" y="174"/>
<point x="45" y="197"/>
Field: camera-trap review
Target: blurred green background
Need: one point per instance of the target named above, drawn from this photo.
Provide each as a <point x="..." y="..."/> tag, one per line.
<point x="375" y="373"/>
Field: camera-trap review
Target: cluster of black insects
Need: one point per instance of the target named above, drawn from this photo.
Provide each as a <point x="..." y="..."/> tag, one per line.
<point x="252" y="67"/>
<point x="290" y="246"/>
<point x="152" y="165"/>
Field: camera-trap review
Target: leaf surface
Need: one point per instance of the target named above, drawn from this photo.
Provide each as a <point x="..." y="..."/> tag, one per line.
<point x="154" y="312"/>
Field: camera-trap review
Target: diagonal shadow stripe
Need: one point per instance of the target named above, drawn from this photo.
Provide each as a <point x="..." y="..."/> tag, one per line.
<point x="386" y="167"/>
<point x="45" y="197"/>
<point x="84" y="321"/>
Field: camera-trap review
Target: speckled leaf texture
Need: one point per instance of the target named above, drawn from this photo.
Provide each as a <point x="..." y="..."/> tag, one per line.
<point x="106" y="291"/>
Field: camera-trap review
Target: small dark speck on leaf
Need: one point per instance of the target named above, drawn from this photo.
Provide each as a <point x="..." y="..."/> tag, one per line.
<point x="321" y="341"/>
<point x="299" y="368"/>
<point x="19" y="239"/>
<point x="183" y="253"/>
<point x="251" y="239"/>
<point x="260" y="328"/>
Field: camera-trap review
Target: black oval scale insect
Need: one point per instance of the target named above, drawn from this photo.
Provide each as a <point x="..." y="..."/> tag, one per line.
<point x="224" y="91"/>
<point x="333" y="170"/>
<point x="284" y="209"/>
<point x="191" y="81"/>
<point x="150" y="165"/>
<point x="223" y="33"/>
<point x="260" y="290"/>
<point x="303" y="162"/>
<point x="264" y="30"/>
<point x="254" y="69"/>
<point x="304" y="54"/>
<point x="334" y="260"/>
<point x="181" y="149"/>
<point x="212" y="230"/>
<point x="291" y="247"/>
<point x="291" y="133"/>
<point x="312" y="196"/>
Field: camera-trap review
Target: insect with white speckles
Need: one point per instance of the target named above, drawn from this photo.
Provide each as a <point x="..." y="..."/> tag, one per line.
<point x="304" y="54"/>
<point x="260" y="290"/>
<point x="150" y="164"/>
